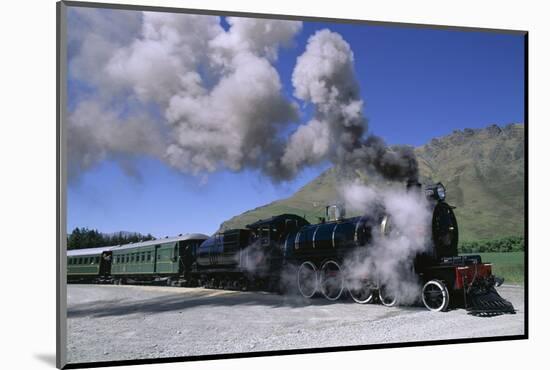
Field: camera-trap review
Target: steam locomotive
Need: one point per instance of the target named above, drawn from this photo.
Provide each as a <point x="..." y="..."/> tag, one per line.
<point x="286" y="251"/>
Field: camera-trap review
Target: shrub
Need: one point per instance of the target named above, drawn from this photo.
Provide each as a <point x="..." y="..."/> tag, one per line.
<point x="507" y="244"/>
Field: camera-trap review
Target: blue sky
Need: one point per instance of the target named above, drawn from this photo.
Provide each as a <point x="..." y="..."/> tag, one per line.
<point x="416" y="84"/>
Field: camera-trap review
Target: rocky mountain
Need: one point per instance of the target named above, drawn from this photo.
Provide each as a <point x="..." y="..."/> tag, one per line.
<point x="482" y="169"/>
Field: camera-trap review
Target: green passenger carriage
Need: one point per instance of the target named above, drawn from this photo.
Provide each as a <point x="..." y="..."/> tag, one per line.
<point x="89" y="265"/>
<point x="165" y="260"/>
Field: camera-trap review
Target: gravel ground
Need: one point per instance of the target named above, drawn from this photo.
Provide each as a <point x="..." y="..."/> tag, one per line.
<point x="109" y="323"/>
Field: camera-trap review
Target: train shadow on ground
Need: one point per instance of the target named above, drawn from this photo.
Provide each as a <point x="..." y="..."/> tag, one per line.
<point x="179" y="302"/>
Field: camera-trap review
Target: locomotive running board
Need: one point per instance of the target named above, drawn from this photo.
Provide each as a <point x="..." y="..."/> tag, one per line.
<point x="488" y="303"/>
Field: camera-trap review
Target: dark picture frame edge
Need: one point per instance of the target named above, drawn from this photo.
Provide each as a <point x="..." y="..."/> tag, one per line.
<point x="289" y="17"/>
<point x="61" y="175"/>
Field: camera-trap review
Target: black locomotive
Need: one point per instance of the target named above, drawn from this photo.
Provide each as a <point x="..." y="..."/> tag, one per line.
<point x="270" y="253"/>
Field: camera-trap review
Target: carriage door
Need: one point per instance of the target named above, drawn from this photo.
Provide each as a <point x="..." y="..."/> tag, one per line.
<point x="156" y="258"/>
<point x="105" y="263"/>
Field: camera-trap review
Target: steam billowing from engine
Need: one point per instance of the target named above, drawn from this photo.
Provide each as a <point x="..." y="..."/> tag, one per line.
<point x="405" y="234"/>
<point x="203" y="97"/>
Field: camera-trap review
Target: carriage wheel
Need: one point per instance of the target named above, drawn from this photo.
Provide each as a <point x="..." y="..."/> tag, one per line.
<point x="435" y="296"/>
<point x="361" y="291"/>
<point x="331" y="280"/>
<point x="387" y="298"/>
<point x="307" y="279"/>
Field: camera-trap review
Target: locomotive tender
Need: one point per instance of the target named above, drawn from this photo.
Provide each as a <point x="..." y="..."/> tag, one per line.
<point x="267" y="252"/>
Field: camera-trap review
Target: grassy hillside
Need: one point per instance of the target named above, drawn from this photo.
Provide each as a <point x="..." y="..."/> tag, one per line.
<point x="483" y="171"/>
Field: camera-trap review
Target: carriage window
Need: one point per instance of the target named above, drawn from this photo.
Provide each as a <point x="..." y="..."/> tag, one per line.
<point x="143" y="257"/>
<point x="148" y="256"/>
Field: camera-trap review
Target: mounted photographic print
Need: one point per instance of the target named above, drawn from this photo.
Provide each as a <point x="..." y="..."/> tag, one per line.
<point x="237" y="184"/>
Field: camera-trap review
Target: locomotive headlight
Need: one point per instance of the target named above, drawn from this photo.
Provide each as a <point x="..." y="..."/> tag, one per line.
<point x="441" y="191"/>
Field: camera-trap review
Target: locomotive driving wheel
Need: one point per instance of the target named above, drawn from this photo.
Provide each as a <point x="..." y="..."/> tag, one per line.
<point x="331" y="280"/>
<point x="387" y="298"/>
<point x="307" y="279"/>
<point x="435" y="296"/>
<point x="361" y="291"/>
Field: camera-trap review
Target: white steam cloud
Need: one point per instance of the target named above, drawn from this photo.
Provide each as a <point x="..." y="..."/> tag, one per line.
<point x="324" y="76"/>
<point x="388" y="259"/>
<point x="218" y="98"/>
<point x="202" y="97"/>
